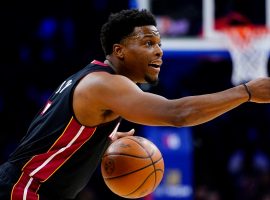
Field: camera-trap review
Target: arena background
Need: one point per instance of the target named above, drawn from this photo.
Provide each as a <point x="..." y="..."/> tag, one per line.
<point x="42" y="42"/>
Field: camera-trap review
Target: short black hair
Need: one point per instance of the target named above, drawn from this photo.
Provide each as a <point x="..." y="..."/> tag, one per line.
<point x="121" y="25"/>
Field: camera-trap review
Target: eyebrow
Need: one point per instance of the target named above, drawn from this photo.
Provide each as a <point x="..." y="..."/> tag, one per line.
<point x="150" y="35"/>
<point x="147" y="34"/>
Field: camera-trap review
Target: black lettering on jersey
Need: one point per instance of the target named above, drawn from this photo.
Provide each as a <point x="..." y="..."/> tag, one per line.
<point x="63" y="86"/>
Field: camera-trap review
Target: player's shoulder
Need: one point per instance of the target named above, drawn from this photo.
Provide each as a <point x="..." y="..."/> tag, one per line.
<point x="103" y="81"/>
<point x="107" y="78"/>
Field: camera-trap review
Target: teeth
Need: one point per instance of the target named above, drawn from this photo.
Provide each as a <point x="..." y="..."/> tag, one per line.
<point x="154" y="65"/>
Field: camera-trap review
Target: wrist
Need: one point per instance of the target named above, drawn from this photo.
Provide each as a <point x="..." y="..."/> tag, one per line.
<point x="247" y="91"/>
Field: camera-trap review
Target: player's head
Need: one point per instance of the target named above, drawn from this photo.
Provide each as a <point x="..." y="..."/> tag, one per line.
<point x="131" y="39"/>
<point x="122" y="24"/>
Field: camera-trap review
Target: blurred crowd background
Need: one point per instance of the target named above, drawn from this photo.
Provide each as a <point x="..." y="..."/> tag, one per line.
<point x="43" y="42"/>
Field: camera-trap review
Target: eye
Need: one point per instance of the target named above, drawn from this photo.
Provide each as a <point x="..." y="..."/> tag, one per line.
<point x="149" y="43"/>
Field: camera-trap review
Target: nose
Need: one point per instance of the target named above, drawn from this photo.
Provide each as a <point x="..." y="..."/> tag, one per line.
<point x="159" y="51"/>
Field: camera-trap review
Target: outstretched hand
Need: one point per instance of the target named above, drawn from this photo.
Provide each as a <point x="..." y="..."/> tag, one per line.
<point x="118" y="135"/>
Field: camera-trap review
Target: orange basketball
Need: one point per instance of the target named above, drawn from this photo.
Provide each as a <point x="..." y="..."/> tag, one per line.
<point x="132" y="167"/>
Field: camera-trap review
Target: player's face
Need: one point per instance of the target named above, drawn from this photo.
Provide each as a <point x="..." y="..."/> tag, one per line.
<point x="143" y="55"/>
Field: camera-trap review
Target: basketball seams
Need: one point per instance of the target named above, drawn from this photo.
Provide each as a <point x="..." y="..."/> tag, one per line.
<point x="131" y="155"/>
<point x="160" y="170"/>
<point x="131" y="172"/>
<point x="148" y="153"/>
<point x="145" y="155"/>
<point x="150" y="156"/>
<point x="140" y="185"/>
<point x="124" y="154"/>
<point x="153" y="163"/>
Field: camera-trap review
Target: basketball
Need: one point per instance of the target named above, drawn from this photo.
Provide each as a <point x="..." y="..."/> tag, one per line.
<point x="132" y="167"/>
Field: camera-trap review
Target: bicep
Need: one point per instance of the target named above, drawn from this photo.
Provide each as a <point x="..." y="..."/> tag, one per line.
<point x="127" y="100"/>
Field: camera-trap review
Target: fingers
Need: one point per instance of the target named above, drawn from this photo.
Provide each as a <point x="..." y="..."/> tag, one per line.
<point x="131" y="132"/>
<point x="122" y="134"/>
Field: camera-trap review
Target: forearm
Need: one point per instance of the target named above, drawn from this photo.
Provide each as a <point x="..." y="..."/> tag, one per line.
<point x="194" y="110"/>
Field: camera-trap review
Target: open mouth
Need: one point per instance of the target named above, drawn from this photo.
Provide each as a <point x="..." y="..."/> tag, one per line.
<point x="154" y="65"/>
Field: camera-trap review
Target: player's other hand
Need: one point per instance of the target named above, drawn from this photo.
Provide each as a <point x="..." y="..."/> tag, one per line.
<point x="118" y="135"/>
<point x="260" y="90"/>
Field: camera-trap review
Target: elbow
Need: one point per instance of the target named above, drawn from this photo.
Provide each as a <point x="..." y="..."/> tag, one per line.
<point x="183" y="119"/>
<point x="179" y="121"/>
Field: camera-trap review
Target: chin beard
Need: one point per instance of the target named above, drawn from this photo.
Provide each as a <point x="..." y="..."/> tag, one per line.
<point x="151" y="81"/>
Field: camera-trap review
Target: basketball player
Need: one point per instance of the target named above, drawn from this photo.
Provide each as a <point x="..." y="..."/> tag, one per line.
<point x="68" y="136"/>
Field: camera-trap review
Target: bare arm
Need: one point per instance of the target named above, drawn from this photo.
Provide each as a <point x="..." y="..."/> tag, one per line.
<point x="124" y="98"/>
<point x="151" y="109"/>
<point x="206" y="107"/>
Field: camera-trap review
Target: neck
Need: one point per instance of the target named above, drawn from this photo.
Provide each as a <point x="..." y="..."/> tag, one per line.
<point x="110" y="64"/>
<point x="117" y="68"/>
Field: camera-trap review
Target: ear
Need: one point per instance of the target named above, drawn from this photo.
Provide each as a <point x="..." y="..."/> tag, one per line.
<point x="118" y="50"/>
